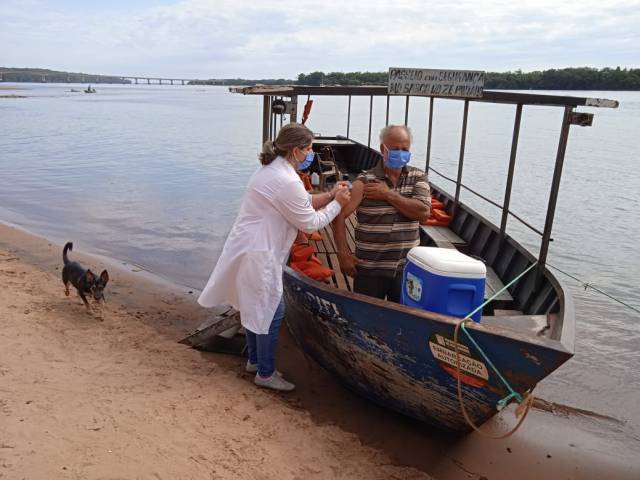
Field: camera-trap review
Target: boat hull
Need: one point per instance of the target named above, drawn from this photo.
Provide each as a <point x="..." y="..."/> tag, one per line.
<point x="403" y="358"/>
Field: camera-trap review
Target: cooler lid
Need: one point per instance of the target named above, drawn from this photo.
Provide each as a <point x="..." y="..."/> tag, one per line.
<point x="446" y="261"/>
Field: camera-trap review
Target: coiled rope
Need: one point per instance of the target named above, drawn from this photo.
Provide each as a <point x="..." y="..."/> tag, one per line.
<point x="525" y="402"/>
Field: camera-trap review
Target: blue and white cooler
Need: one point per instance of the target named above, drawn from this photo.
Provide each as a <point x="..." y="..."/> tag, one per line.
<point x="443" y="280"/>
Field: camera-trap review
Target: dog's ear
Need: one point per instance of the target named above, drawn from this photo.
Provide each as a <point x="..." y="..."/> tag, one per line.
<point x="90" y="277"/>
<point x="104" y="277"/>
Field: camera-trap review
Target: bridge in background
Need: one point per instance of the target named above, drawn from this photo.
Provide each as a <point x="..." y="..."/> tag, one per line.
<point x="150" y="80"/>
<point x="55" y="77"/>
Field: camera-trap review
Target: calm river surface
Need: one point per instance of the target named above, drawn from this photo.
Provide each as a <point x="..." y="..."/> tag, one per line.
<point x="154" y="175"/>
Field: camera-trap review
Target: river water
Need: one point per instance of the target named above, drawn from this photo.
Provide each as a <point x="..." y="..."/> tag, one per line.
<point x="154" y="175"/>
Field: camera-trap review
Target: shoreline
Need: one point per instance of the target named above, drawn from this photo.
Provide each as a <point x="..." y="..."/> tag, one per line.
<point x="117" y="395"/>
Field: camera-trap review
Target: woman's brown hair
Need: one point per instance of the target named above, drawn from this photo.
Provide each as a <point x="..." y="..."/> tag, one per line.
<point x="289" y="137"/>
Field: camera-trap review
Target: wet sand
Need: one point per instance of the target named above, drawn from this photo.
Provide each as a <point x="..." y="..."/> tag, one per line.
<point x="112" y="395"/>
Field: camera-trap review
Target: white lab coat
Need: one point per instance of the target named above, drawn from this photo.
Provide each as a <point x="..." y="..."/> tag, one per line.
<point x="248" y="274"/>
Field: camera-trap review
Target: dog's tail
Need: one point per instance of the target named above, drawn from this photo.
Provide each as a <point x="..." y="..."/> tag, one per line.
<point x="68" y="246"/>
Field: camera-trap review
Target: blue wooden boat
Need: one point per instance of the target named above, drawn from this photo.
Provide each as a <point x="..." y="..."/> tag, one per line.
<point x="404" y="358"/>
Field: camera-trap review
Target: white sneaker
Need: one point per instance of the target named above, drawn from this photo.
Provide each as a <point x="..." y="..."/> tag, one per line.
<point x="274" y="382"/>
<point x="253" y="368"/>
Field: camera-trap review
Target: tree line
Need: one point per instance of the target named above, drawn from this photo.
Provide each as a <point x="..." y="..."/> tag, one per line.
<point x="37" y="75"/>
<point x="583" y="78"/>
<point x="242" y="81"/>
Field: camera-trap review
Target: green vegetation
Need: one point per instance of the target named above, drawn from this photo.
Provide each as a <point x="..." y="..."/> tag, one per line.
<point x="43" y="75"/>
<point x="584" y="78"/>
<point x="242" y="81"/>
<point x="567" y="79"/>
<point x="339" y="78"/>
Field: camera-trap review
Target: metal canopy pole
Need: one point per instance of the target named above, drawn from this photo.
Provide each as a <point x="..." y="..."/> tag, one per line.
<point x="272" y="127"/>
<point x="273" y="122"/>
<point x="555" y="186"/>
<point x="349" y="116"/>
<point x="461" y="160"/>
<point x="293" y="117"/>
<point x="386" y="119"/>
<point x="265" y="118"/>
<point x="370" y="119"/>
<point x="406" y="111"/>
<point x="426" y="169"/>
<point x="512" y="166"/>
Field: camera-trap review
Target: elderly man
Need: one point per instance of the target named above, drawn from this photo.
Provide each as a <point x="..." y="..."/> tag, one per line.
<point x="391" y="200"/>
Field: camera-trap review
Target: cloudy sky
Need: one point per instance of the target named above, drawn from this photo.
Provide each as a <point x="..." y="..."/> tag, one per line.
<point x="261" y="39"/>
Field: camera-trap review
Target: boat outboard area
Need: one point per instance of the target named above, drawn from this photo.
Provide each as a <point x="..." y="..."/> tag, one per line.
<point x="482" y="319"/>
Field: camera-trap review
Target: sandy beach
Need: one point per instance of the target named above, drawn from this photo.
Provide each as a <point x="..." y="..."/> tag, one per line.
<point x="113" y="395"/>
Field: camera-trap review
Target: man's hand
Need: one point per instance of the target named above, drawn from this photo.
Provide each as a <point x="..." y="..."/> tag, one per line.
<point x="348" y="263"/>
<point x="376" y="190"/>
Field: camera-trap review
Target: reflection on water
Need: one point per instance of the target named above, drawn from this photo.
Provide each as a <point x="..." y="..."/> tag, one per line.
<point x="155" y="174"/>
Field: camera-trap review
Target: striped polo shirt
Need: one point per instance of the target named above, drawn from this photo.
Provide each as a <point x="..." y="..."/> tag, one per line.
<point x="383" y="235"/>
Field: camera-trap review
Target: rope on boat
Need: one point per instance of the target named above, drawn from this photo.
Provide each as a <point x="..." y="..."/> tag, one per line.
<point x="586" y="285"/>
<point x="525" y="401"/>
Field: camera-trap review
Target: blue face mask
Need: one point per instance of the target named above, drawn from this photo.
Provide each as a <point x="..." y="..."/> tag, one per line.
<point x="308" y="160"/>
<point x="396" y="159"/>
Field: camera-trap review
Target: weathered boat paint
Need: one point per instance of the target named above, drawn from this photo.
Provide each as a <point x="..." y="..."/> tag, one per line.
<point x="383" y="351"/>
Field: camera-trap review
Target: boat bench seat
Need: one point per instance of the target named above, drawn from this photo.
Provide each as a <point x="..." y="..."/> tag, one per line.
<point x="493" y="284"/>
<point x="443" y="237"/>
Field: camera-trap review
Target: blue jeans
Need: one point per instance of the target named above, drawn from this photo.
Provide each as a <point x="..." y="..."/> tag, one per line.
<point x="262" y="348"/>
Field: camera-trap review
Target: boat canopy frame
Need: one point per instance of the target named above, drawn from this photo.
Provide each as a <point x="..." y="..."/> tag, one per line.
<point x="273" y="94"/>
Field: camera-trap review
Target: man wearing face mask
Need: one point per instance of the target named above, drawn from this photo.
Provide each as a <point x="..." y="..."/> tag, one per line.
<point x="390" y="201"/>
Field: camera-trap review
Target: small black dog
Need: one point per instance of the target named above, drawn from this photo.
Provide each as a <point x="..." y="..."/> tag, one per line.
<point x="84" y="280"/>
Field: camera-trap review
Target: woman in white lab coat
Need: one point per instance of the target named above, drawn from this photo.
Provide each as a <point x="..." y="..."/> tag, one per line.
<point x="248" y="274"/>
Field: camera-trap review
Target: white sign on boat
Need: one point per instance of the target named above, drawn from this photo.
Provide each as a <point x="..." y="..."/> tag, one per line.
<point x="436" y="83"/>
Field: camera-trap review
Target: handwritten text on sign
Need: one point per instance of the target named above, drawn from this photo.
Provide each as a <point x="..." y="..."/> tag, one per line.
<point x="436" y="83"/>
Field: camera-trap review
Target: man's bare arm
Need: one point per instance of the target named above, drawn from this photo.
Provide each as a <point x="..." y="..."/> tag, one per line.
<point x="346" y="259"/>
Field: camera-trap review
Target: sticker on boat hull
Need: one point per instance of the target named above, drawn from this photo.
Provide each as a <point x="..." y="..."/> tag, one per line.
<point x="472" y="371"/>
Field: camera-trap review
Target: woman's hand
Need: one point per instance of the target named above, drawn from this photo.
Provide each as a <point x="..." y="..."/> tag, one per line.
<point x="337" y="187"/>
<point x="342" y="195"/>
